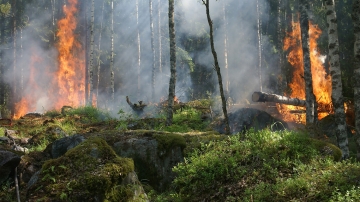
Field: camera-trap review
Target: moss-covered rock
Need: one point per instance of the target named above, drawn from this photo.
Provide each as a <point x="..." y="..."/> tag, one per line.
<point x="89" y="172"/>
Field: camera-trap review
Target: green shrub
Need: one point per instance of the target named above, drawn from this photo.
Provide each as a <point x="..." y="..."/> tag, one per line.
<point x="90" y="114"/>
<point x="265" y="166"/>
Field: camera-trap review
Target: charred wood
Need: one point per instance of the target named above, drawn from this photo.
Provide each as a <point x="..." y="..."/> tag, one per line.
<point x="266" y="97"/>
<point x="136" y="107"/>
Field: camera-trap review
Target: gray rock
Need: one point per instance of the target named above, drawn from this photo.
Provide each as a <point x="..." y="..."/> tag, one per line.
<point x="152" y="165"/>
<point x="246" y="118"/>
<point x="61" y="146"/>
<point x="8" y="162"/>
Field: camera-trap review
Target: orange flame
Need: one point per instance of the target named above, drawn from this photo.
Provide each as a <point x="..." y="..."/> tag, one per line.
<point x="321" y="81"/>
<point x="68" y="87"/>
<point x="70" y="76"/>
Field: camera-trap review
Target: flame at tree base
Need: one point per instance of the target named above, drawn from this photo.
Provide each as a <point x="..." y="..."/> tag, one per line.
<point x="321" y="80"/>
<point x="68" y="81"/>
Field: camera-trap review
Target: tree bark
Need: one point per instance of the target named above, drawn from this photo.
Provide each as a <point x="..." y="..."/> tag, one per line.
<point x="138" y="50"/>
<point x="217" y="68"/>
<point x="99" y="56"/>
<point x="112" y="77"/>
<point x="172" y="64"/>
<point x="311" y="108"/>
<point x="160" y="46"/>
<point x="91" y="59"/>
<point x="356" y="22"/>
<point x="226" y="50"/>
<point x="266" y="97"/>
<point x="259" y="44"/>
<point x="152" y="51"/>
<point x="335" y="71"/>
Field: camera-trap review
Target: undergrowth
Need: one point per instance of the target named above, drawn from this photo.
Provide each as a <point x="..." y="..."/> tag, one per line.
<point x="265" y="166"/>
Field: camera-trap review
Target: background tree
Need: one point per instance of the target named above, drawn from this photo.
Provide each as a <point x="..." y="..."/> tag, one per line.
<point x="217" y="67"/>
<point x="152" y="50"/>
<point x="172" y="82"/>
<point x="356" y="21"/>
<point x="91" y="59"/>
<point x="311" y="108"/>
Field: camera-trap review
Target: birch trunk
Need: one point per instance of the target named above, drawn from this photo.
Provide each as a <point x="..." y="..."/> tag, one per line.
<point x="153" y="51"/>
<point x="335" y="71"/>
<point x="172" y="64"/>
<point x="138" y="50"/>
<point x="14" y="35"/>
<point x="259" y="42"/>
<point x="311" y="108"/>
<point x="217" y="67"/>
<point x="356" y="22"/>
<point x="112" y="76"/>
<point x="99" y="56"/>
<point x="225" y="50"/>
<point x="160" y="47"/>
<point x="91" y="59"/>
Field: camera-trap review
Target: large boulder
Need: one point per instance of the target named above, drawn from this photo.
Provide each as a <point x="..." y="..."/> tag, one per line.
<point x="8" y="162"/>
<point x="91" y="171"/>
<point x="246" y="118"/>
<point x="154" y="155"/>
<point x="61" y="146"/>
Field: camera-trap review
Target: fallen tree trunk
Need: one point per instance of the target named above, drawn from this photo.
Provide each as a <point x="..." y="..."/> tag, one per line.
<point x="266" y="97"/>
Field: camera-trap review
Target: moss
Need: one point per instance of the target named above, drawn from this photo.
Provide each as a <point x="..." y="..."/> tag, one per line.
<point x="328" y="149"/>
<point x="168" y="141"/>
<point x="92" y="169"/>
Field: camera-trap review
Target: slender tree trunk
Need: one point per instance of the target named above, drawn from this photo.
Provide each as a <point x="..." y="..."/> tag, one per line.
<point x="87" y="52"/>
<point x="153" y="51"/>
<point x="172" y="64"/>
<point x="14" y="35"/>
<point x="356" y="22"/>
<point x="91" y="59"/>
<point x="280" y="86"/>
<point x="160" y="46"/>
<point x="112" y="77"/>
<point x="217" y="67"/>
<point x="227" y="83"/>
<point x="335" y="71"/>
<point x="311" y="108"/>
<point x="138" y="50"/>
<point x="100" y="52"/>
<point x="259" y="43"/>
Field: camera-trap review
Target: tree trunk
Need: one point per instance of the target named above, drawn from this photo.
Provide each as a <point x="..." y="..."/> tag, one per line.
<point x="153" y="51"/>
<point x="356" y="22"/>
<point x="259" y="43"/>
<point x="311" y="108"/>
<point x="138" y="51"/>
<point x="266" y="97"/>
<point x="225" y="50"/>
<point x="335" y="71"/>
<point x="91" y="59"/>
<point x="172" y="64"/>
<point x="112" y="76"/>
<point x="99" y="56"/>
<point x="14" y="97"/>
<point x="217" y="68"/>
<point x="160" y="46"/>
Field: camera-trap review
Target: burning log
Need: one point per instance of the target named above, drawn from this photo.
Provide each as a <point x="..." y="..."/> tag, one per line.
<point x="266" y="97"/>
<point x="136" y="107"/>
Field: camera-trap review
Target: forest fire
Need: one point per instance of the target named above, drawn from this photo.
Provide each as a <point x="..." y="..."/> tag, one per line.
<point x="321" y="80"/>
<point x="68" y="81"/>
<point x="70" y="76"/>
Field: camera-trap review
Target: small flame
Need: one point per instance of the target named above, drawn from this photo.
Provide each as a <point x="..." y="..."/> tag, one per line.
<point x="321" y="80"/>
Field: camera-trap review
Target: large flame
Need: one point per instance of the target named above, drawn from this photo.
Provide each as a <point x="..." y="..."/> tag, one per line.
<point x="321" y="80"/>
<point x="68" y="81"/>
<point x="70" y="76"/>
